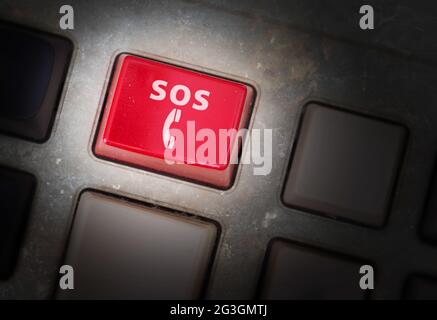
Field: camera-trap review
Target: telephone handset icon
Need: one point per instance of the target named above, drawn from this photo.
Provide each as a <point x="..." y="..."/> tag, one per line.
<point x="167" y="139"/>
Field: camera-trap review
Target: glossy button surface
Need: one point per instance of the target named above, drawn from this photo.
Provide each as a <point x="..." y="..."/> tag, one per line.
<point x="149" y="101"/>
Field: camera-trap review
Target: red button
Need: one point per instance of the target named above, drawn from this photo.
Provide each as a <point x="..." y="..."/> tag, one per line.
<point x="153" y="107"/>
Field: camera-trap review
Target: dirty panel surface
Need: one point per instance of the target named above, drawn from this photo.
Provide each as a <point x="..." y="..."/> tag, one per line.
<point x="292" y="53"/>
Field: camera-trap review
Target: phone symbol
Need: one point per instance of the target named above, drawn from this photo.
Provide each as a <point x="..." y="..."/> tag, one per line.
<point x="167" y="139"/>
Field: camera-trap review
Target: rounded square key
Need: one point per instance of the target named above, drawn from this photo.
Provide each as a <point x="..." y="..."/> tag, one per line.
<point x="297" y="272"/>
<point x="33" y="67"/>
<point x="124" y="250"/>
<point x="28" y="64"/>
<point x="173" y="120"/>
<point x="345" y="165"/>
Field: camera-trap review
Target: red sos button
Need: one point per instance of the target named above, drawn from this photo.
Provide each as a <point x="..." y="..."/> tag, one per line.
<point x="173" y="120"/>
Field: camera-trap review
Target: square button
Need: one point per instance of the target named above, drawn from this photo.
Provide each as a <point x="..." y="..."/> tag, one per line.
<point x="345" y="165"/>
<point x="33" y="67"/>
<point x="16" y="194"/>
<point x="295" y="272"/>
<point x="173" y="120"/>
<point x="124" y="250"/>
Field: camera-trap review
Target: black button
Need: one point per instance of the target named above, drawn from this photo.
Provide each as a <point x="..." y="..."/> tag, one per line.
<point x="345" y="165"/>
<point x="33" y="66"/>
<point x="297" y="272"/>
<point x="16" y="193"/>
<point x="27" y="66"/>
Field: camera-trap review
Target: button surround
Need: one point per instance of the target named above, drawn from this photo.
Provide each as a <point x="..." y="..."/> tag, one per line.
<point x="35" y="123"/>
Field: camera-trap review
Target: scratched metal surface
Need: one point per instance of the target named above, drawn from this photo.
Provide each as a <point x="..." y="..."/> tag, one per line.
<point x="293" y="53"/>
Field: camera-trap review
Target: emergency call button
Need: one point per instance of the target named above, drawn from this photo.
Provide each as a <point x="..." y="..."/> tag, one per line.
<point x="177" y="121"/>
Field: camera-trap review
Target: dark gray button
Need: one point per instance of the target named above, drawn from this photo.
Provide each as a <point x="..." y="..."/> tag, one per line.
<point x="33" y="66"/>
<point x="16" y="193"/>
<point x="344" y="165"/>
<point x="123" y="250"/>
<point x="421" y="288"/>
<point x="296" y="272"/>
